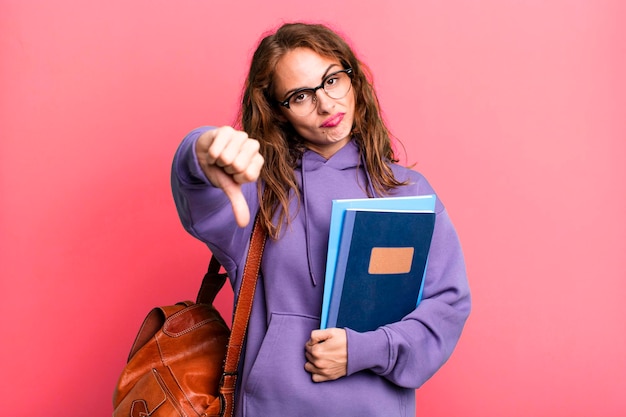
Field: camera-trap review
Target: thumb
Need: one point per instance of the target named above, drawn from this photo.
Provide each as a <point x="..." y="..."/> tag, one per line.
<point x="238" y="203"/>
<point x="318" y="336"/>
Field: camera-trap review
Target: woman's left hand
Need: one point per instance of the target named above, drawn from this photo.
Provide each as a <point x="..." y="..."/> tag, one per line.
<point x="327" y="354"/>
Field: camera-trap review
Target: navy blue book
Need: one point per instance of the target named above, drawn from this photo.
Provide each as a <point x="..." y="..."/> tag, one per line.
<point x="381" y="266"/>
<point x="339" y="207"/>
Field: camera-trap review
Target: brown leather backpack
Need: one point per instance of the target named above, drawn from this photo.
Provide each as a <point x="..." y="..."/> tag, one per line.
<point x="183" y="362"/>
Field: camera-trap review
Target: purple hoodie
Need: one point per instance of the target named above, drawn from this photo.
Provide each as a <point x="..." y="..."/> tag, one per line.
<point x="385" y="366"/>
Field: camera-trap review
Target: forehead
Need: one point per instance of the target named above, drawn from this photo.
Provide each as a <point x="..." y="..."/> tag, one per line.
<point x="302" y="67"/>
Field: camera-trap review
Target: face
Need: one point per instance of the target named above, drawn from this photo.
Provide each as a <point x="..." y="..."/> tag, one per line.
<point x="327" y="129"/>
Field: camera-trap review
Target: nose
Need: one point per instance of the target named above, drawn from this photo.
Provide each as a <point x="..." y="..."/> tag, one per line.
<point x="324" y="102"/>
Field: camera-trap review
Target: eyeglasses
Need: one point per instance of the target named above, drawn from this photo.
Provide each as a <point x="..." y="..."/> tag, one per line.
<point x="302" y="102"/>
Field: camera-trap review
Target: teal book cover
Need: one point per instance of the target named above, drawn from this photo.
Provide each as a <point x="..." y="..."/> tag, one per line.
<point x="343" y="208"/>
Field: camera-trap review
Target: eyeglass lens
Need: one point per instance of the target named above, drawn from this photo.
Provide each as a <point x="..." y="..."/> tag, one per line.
<point x="335" y="86"/>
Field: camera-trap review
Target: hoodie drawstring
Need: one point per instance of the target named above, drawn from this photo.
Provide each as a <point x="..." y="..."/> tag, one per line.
<point x="307" y="235"/>
<point x="370" y="185"/>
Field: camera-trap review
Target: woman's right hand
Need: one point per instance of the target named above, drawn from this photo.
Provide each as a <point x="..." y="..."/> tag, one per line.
<point x="229" y="158"/>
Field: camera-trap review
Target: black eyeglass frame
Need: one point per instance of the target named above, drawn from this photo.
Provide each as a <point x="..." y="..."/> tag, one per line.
<point x="285" y="103"/>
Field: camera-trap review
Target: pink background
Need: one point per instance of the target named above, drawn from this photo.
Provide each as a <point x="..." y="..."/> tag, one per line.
<point x="515" y="111"/>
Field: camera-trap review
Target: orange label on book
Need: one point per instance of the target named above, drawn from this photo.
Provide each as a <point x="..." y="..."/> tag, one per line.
<point x="391" y="260"/>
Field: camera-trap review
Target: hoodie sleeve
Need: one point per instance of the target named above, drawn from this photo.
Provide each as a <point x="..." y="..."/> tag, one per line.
<point x="410" y="351"/>
<point x="204" y="210"/>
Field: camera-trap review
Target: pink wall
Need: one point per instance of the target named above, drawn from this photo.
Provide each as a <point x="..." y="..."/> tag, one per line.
<point x="514" y="110"/>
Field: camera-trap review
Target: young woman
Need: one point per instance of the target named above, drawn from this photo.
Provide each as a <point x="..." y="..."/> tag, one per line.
<point x="311" y="131"/>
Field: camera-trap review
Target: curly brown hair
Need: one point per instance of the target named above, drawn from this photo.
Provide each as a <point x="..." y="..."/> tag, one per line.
<point x="280" y="144"/>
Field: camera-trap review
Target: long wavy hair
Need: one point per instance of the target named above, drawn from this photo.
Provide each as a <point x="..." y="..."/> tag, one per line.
<point x="281" y="146"/>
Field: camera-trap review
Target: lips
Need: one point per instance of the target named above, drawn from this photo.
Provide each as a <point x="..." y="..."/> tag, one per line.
<point x="333" y="120"/>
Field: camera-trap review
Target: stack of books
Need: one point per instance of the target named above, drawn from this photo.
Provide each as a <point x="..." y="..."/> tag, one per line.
<point x="377" y="258"/>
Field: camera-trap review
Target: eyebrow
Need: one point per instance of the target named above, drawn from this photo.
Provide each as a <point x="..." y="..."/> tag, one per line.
<point x="293" y="90"/>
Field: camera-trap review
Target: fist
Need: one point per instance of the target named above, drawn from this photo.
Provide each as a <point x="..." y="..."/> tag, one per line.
<point x="229" y="158"/>
<point x="326" y="354"/>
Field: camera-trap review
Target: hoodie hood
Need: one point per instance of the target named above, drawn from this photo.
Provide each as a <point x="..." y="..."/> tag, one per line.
<point x="344" y="158"/>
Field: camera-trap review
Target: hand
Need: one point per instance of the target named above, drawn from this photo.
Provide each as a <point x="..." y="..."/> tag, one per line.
<point x="229" y="158"/>
<point x="327" y="354"/>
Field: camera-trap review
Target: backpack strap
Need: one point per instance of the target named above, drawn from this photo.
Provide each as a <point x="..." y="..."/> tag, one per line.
<point x="212" y="283"/>
<point x="241" y="317"/>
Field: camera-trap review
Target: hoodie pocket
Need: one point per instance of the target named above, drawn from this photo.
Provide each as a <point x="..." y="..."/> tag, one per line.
<point x="281" y="357"/>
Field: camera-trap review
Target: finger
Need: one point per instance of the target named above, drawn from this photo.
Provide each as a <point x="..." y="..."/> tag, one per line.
<point x="319" y="378"/>
<point x="202" y="147"/>
<point x="227" y="147"/>
<point x="317" y="375"/>
<point x="239" y="156"/>
<point x="213" y="142"/>
<point x="210" y="144"/>
<point x="239" y="204"/>
<point x="252" y="171"/>
<point x="311" y="368"/>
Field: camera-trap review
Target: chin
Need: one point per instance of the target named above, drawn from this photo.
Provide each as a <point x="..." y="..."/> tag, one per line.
<point x="339" y="135"/>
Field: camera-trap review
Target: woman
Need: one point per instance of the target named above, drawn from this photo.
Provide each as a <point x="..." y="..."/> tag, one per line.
<point x="312" y="132"/>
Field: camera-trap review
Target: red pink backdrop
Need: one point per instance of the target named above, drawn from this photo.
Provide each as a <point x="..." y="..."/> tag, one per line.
<point x="514" y="110"/>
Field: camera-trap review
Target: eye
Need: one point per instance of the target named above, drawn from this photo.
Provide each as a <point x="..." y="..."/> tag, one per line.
<point x="300" y="97"/>
<point x="331" y="81"/>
